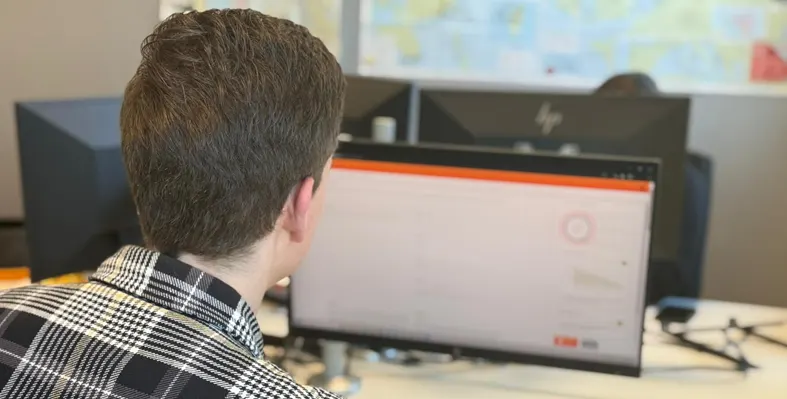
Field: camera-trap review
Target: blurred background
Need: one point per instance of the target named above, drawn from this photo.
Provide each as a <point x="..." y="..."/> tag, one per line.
<point x="728" y="55"/>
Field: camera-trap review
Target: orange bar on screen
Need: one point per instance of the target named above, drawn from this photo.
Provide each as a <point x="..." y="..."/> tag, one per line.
<point x="492" y="175"/>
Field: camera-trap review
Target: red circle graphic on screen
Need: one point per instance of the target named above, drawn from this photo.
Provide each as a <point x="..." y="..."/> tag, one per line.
<point x="578" y="228"/>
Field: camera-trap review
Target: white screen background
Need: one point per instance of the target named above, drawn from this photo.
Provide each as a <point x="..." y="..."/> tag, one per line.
<point x="482" y="264"/>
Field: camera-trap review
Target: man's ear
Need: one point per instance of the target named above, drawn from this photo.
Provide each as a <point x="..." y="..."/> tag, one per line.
<point x="296" y="210"/>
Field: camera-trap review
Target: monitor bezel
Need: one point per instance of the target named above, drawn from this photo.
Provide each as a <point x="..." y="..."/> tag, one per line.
<point x="473" y="157"/>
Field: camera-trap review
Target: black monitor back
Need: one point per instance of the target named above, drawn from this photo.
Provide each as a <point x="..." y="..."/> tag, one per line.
<point x="78" y="209"/>
<point x="654" y="127"/>
<point x="369" y="98"/>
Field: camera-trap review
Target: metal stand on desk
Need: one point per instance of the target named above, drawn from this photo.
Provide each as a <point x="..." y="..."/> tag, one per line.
<point x="740" y="361"/>
<point x="336" y="377"/>
<point x="751" y="331"/>
<point x="739" y="358"/>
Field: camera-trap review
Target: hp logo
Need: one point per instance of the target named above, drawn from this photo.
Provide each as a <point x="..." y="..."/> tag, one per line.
<point x="547" y="119"/>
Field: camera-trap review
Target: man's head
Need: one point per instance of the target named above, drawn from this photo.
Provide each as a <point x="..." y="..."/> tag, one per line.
<point x="227" y="129"/>
<point x="629" y="84"/>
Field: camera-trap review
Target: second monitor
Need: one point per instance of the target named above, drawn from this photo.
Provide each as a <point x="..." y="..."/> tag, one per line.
<point x="654" y="127"/>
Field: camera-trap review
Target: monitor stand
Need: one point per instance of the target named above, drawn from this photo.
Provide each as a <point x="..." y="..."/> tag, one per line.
<point x="336" y="378"/>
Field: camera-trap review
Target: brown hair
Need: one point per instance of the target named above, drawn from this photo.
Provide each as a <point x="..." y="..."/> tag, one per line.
<point x="228" y="112"/>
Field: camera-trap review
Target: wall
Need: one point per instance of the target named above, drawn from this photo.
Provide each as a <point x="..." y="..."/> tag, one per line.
<point x="747" y="137"/>
<point x="58" y="49"/>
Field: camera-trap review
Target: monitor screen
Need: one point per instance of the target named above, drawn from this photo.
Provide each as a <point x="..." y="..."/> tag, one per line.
<point x="517" y="257"/>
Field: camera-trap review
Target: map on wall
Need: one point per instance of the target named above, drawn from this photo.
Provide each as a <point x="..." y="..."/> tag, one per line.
<point x="322" y="17"/>
<point x="686" y="45"/>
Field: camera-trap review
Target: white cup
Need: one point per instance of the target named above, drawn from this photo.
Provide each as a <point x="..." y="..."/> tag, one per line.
<point x="384" y="129"/>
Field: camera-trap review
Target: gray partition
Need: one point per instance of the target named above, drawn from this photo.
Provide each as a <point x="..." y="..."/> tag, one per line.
<point x="747" y="246"/>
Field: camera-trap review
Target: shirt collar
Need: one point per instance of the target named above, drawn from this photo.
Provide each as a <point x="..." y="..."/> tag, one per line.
<point x="174" y="285"/>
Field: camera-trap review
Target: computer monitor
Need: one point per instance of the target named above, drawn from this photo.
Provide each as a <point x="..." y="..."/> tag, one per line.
<point x="653" y="127"/>
<point x="368" y="98"/>
<point x="410" y="233"/>
<point x="78" y="209"/>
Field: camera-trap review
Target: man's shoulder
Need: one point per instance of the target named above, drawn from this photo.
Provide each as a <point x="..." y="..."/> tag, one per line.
<point x="266" y="379"/>
<point x="219" y="365"/>
<point x="45" y="296"/>
<point x="25" y="310"/>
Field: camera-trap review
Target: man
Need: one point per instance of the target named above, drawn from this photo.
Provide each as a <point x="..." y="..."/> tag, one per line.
<point x="227" y="127"/>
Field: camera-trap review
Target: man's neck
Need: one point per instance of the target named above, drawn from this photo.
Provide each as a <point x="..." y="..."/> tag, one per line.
<point x="247" y="275"/>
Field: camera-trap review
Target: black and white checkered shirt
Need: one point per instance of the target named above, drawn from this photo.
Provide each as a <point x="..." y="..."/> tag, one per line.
<point x="145" y="326"/>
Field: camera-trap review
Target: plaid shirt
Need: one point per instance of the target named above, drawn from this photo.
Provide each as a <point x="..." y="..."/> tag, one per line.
<point x="145" y="326"/>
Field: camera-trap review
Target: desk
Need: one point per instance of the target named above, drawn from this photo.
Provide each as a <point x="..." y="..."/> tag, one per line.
<point x="669" y="371"/>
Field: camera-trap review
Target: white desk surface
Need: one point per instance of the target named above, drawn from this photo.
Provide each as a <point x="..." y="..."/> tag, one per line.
<point x="669" y="371"/>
